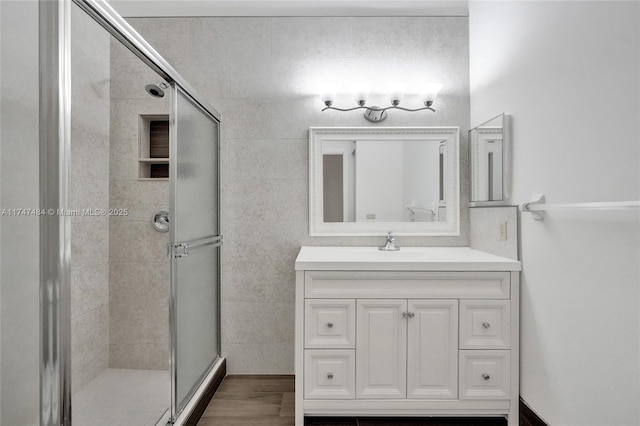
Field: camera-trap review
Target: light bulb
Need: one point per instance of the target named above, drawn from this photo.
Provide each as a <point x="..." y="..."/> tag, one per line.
<point x="395" y="92"/>
<point x="361" y="95"/>
<point x="430" y="92"/>
<point x="328" y="96"/>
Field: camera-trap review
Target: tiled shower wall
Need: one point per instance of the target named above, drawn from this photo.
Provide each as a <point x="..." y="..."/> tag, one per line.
<point x="89" y="190"/>
<point x="260" y="74"/>
<point x="138" y="265"/>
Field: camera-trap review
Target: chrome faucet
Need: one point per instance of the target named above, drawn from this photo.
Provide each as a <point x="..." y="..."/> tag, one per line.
<point x="390" y="244"/>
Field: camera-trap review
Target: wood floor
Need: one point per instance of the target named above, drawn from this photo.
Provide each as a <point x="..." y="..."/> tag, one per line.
<point x="269" y="401"/>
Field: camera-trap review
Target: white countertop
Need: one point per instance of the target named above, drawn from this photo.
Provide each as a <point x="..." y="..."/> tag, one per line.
<point x="406" y="259"/>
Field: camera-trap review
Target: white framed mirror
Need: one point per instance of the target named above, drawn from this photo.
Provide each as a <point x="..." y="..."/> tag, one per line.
<point x="367" y="181"/>
<point x="489" y="162"/>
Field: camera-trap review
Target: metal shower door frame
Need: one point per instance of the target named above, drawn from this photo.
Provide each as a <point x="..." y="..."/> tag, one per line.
<point x="180" y="249"/>
<point x="55" y="161"/>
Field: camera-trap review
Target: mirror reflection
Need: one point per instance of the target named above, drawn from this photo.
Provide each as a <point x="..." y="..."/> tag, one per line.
<point x="368" y="181"/>
<point x="487" y="150"/>
<point x="383" y="180"/>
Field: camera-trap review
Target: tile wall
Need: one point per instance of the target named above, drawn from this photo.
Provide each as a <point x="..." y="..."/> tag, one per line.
<point x="138" y="265"/>
<point x="485" y="234"/>
<point x="89" y="190"/>
<point x="261" y="73"/>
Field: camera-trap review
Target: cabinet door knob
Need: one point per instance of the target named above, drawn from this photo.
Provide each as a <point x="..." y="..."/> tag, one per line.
<point x="486" y="376"/>
<point x="486" y="325"/>
<point x="329" y="375"/>
<point x="329" y="325"/>
<point x="412" y="314"/>
<point x="405" y="315"/>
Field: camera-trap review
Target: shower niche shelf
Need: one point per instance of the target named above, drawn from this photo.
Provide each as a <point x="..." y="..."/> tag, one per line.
<point x="153" y="147"/>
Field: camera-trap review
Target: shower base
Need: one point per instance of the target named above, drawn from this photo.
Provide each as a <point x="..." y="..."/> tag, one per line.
<point x="123" y="397"/>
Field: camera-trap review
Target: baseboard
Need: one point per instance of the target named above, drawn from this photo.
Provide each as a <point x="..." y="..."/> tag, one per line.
<point x="528" y="417"/>
<point x="202" y="405"/>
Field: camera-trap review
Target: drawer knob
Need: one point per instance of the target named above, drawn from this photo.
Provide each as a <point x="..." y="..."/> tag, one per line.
<point x="329" y="325"/>
<point x="486" y="376"/>
<point x="486" y="325"/>
<point x="329" y="375"/>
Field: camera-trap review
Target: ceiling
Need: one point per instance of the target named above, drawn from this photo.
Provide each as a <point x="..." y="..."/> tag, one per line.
<point x="159" y="8"/>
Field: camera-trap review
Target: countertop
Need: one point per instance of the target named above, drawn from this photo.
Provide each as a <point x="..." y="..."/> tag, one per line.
<point x="323" y="258"/>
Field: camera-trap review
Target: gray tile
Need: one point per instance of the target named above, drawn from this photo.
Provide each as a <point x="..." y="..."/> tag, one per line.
<point x="125" y="114"/>
<point x="411" y="36"/>
<point x="91" y="197"/>
<point x="248" y="281"/>
<point x="229" y="37"/>
<point x="206" y="76"/>
<point x="89" y="288"/>
<point x="129" y="76"/>
<point x="313" y="37"/>
<point x="248" y="358"/>
<point x="274" y="79"/>
<point x="89" y="243"/>
<point x="140" y="199"/>
<point x="268" y="158"/>
<point x="127" y="240"/>
<point x="266" y="200"/>
<point x="244" y="118"/>
<point x="268" y="323"/>
<point x="123" y="161"/>
<point x="249" y="240"/>
<point x="90" y="157"/>
<point x="169" y="36"/>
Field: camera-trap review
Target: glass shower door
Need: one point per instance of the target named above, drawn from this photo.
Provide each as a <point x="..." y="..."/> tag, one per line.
<point x="195" y="246"/>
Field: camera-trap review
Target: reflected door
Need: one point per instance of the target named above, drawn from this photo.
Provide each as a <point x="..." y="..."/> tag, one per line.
<point x="195" y="246"/>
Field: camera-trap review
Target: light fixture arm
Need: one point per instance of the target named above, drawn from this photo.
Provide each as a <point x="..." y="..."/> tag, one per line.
<point x="343" y="109"/>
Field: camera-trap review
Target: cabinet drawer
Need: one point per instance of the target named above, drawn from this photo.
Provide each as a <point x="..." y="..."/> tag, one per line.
<point x="329" y="374"/>
<point x="485" y="324"/>
<point x="484" y="374"/>
<point x="329" y="323"/>
<point x="407" y="285"/>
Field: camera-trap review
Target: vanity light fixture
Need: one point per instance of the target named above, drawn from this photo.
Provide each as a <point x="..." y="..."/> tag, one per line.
<point x="375" y="113"/>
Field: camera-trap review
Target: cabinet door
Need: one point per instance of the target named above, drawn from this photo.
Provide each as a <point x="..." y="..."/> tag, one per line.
<point x="432" y="358"/>
<point x="381" y="348"/>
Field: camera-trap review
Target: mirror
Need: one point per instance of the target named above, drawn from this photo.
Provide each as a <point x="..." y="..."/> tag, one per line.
<point x="369" y="181"/>
<point x="488" y="161"/>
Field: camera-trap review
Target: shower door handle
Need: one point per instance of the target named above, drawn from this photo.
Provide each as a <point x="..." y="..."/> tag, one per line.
<point x="183" y="249"/>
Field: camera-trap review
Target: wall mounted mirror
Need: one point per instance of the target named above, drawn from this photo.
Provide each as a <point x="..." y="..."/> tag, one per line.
<point x="369" y="181"/>
<point x="489" y="153"/>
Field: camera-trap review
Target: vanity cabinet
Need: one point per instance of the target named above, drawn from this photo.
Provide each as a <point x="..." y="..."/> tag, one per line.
<point x="406" y="338"/>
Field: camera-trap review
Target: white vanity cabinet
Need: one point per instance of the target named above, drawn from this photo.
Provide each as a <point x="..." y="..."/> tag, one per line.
<point x="427" y="332"/>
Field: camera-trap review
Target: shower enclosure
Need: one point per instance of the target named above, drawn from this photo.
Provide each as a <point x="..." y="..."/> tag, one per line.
<point x="129" y="322"/>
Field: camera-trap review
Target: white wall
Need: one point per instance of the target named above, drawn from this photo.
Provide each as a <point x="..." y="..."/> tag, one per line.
<point x="568" y="74"/>
<point x="19" y="256"/>
<point x="421" y="179"/>
<point x="379" y="181"/>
